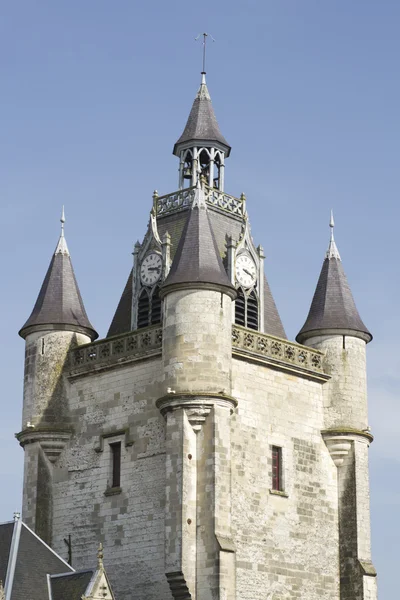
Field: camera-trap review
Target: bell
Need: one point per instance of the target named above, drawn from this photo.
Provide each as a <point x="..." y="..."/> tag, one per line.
<point x="187" y="173"/>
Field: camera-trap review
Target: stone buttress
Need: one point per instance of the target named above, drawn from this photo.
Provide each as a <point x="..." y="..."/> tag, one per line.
<point x="57" y="324"/>
<point x="197" y="352"/>
<point x="334" y="326"/>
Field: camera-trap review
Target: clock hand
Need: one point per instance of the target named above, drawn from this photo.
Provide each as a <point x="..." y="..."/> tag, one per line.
<point x="154" y="269"/>
<point x="248" y="273"/>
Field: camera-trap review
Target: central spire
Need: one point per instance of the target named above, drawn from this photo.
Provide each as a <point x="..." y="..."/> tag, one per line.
<point x="202" y="148"/>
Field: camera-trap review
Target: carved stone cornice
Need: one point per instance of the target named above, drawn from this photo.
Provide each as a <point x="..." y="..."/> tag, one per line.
<point x="197" y="405"/>
<point x="339" y="442"/>
<point x="52" y="441"/>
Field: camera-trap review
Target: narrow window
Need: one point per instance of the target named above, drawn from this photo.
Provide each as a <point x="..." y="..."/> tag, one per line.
<point x="156" y="307"/>
<point x="252" y="311"/>
<point x="42" y="348"/>
<point x="277" y="468"/>
<point x="116" y="464"/>
<point x="240" y="308"/>
<point x="143" y="309"/>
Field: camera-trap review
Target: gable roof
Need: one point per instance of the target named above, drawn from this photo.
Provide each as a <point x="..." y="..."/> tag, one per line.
<point x="70" y="586"/>
<point x="202" y="123"/>
<point x="28" y="560"/>
<point x="59" y="302"/>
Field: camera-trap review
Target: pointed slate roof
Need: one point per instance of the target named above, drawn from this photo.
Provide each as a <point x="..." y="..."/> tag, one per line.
<point x="202" y="123"/>
<point x="197" y="259"/>
<point x="333" y="307"/>
<point x="59" y="303"/>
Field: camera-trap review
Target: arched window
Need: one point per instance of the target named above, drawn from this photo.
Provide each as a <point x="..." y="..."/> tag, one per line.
<point x="156" y="306"/>
<point x="143" y="309"/>
<point x="217" y="170"/>
<point x="252" y="311"/>
<point x="240" y="308"/>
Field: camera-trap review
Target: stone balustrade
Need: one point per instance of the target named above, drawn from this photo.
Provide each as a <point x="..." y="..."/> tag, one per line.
<point x="116" y="350"/>
<point x="171" y="203"/>
<point x="278" y="352"/>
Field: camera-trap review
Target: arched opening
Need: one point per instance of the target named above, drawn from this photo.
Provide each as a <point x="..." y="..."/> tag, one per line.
<point x="252" y="311"/>
<point x="156" y="306"/>
<point x="240" y="308"/>
<point x="187" y="173"/>
<point x="143" y="310"/>
<point x="217" y="171"/>
<point x="204" y="164"/>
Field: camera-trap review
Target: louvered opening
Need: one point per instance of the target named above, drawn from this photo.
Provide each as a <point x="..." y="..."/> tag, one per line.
<point x="252" y="311"/>
<point x="156" y="307"/>
<point x="143" y="310"/>
<point x="240" y="308"/>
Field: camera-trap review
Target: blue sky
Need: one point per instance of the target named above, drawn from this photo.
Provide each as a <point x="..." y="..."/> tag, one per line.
<point x="93" y="96"/>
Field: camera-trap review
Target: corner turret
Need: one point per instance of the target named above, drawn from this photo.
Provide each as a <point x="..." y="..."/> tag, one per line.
<point x="57" y="324"/>
<point x="334" y="326"/>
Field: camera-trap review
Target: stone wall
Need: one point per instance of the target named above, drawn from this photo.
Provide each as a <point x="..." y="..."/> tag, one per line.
<point x="286" y="544"/>
<point x="116" y="405"/>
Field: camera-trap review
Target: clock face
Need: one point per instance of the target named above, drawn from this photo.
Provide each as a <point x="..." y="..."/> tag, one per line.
<point x="245" y="271"/>
<point x="150" y="269"/>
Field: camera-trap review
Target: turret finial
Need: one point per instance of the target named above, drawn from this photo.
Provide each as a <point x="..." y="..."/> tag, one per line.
<point x="62" y="247"/>
<point x="332" y="251"/>
<point x="100" y="556"/>
<point x="62" y="220"/>
<point x="205" y="36"/>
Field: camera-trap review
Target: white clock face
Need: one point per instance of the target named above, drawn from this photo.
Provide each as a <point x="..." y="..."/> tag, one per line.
<point x="245" y="270"/>
<point x="150" y="269"/>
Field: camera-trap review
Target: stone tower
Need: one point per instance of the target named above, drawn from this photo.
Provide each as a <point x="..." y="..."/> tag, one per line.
<point x="212" y="457"/>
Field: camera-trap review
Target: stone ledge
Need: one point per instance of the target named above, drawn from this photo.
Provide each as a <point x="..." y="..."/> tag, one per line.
<point x="280" y="493"/>
<point x="113" y="491"/>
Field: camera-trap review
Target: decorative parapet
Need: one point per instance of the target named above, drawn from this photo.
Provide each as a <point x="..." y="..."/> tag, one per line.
<point x="116" y="350"/>
<point x="171" y="203"/>
<point x="230" y="204"/>
<point x="279" y="353"/>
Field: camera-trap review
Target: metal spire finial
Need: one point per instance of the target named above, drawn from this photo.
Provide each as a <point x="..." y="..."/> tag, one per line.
<point x="332" y="251"/>
<point x="62" y="221"/>
<point x="62" y="247"/>
<point x="205" y="36"/>
<point x="100" y="556"/>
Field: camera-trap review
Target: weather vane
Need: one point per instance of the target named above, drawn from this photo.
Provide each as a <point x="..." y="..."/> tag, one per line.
<point x="205" y="36"/>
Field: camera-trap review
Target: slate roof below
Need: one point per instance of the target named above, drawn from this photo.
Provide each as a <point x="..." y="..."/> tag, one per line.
<point x="333" y="305"/>
<point x="34" y="561"/>
<point x="6" y="533"/>
<point x="59" y="301"/>
<point x="70" y="586"/>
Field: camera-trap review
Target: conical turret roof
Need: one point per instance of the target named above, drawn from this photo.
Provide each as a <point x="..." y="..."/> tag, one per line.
<point x="333" y="308"/>
<point x="202" y="125"/>
<point x="59" y="304"/>
<point x="197" y="262"/>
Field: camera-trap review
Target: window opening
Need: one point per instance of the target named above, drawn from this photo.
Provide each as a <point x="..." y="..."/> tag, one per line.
<point x="116" y="464"/>
<point x="205" y="164"/>
<point x="277" y="468"/>
<point x="252" y="311"/>
<point x="240" y="308"/>
<point x="156" y="307"/>
<point x="143" y="309"/>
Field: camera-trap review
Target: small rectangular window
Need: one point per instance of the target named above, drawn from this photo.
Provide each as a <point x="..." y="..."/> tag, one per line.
<point x="277" y="468"/>
<point x="116" y="464"/>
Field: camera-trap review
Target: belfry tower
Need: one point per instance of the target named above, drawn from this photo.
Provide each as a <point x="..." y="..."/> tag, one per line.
<point x="212" y="457"/>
